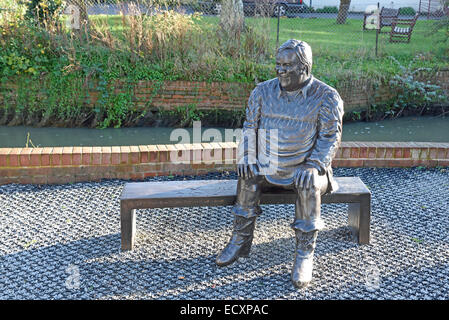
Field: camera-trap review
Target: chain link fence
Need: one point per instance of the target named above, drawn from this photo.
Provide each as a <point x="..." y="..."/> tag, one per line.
<point x="382" y="26"/>
<point x="354" y="23"/>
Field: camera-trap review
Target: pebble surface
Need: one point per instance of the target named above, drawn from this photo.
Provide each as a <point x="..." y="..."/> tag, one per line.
<point x="63" y="242"/>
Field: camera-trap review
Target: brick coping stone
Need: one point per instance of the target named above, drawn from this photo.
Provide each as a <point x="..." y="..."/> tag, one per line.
<point x="54" y="165"/>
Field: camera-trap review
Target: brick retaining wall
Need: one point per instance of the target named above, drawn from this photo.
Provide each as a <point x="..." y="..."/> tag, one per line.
<point x="221" y="95"/>
<point x="217" y="95"/>
<point x="79" y="164"/>
<point x="356" y="94"/>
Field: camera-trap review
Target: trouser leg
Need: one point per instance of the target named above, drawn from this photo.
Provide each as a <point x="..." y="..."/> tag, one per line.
<point x="308" y="207"/>
<point x="245" y="210"/>
<point x="248" y="197"/>
<point x="306" y="225"/>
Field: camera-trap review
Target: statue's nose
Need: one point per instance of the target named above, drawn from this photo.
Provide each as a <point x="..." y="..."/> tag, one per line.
<point x="280" y="69"/>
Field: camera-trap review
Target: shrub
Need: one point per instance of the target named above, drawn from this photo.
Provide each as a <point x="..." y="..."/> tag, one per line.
<point x="412" y="93"/>
<point x="327" y="10"/>
<point x="25" y="48"/>
<point x="8" y="7"/>
<point x="407" y="11"/>
<point x="42" y="9"/>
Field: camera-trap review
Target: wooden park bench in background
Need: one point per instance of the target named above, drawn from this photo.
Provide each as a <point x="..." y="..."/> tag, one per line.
<point x="401" y="29"/>
<point x="196" y="193"/>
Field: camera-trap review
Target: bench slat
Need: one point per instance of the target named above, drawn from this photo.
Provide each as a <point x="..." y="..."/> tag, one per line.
<point x="221" y="192"/>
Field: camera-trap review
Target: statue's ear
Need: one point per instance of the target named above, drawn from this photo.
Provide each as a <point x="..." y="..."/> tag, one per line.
<point x="308" y="70"/>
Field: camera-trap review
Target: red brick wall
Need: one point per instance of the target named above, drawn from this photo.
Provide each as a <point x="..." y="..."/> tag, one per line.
<point x="221" y="95"/>
<point x="356" y="94"/>
<point x="78" y="164"/>
<point x="360" y="94"/>
<point x="204" y="95"/>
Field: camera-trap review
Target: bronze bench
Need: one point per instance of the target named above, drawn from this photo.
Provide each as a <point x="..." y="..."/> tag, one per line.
<point x="196" y="193"/>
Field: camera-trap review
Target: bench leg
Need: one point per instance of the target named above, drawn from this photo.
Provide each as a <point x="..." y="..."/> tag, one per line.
<point x="128" y="227"/>
<point x="359" y="219"/>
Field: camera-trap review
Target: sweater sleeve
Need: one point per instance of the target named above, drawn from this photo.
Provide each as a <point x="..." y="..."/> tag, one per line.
<point x="329" y="132"/>
<point x="247" y="149"/>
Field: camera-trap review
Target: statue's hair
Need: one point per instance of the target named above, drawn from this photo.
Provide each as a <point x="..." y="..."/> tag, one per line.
<point x="302" y="50"/>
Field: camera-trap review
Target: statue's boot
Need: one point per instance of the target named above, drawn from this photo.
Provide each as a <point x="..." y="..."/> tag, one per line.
<point x="240" y="243"/>
<point x="303" y="265"/>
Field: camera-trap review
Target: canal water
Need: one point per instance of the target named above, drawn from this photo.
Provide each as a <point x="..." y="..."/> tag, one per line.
<point x="419" y="129"/>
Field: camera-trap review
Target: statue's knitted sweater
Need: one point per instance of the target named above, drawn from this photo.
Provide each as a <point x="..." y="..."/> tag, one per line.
<point x="308" y="124"/>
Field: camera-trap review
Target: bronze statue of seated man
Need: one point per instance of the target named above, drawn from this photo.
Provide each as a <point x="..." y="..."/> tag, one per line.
<point x="292" y="131"/>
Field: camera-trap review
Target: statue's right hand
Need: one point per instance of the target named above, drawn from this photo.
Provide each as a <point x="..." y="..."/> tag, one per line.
<point x="247" y="171"/>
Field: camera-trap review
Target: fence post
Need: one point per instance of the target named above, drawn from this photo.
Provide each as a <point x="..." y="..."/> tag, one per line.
<point x="277" y="35"/>
<point x="377" y="29"/>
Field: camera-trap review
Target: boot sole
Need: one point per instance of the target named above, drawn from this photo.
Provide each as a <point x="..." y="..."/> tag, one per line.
<point x="227" y="263"/>
<point x="301" y="285"/>
<point x="244" y="254"/>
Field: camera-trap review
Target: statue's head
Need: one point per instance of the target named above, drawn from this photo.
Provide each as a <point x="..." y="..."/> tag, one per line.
<point x="293" y="64"/>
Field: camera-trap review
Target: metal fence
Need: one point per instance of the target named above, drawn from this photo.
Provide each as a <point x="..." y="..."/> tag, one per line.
<point x="351" y="23"/>
<point x="430" y="9"/>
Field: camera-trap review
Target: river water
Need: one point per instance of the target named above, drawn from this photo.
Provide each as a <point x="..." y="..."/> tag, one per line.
<point x="419" y="129"/>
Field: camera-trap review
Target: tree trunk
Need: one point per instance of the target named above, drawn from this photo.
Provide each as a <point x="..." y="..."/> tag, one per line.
<point x="232" y="17"/>
<point x="343" y="11"/>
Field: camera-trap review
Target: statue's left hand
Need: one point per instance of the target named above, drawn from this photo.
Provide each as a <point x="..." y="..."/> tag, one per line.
<point x="306" y="176"/>
<point x="247" y="171"/>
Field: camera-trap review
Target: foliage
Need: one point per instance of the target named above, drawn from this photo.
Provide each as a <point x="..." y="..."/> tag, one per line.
<point x="412" y="93"/>
<point x="11" y="6"/>
<point x="188" y="114"/>
<point x="25" y="48"/>
<point x="42" y="9"/>
<point x="411" y="96"/>
<point x="54" y="71"/>
<point x="407" y="11"/>
<point x="327" y="9"/>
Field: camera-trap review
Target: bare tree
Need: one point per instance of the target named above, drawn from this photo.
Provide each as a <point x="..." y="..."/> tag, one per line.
<point x="343" y="11"/>
<point x="232" y="17"/>
<point x="231" y="26"/>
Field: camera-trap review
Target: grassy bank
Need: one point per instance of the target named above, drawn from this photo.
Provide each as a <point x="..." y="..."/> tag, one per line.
<point x="339" y="50"/>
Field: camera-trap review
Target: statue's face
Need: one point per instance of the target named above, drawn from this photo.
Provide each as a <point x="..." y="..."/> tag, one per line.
<point x="290" y="71"/>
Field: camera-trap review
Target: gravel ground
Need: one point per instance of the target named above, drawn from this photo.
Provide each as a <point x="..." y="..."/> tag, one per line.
<point x="63" y="242"/>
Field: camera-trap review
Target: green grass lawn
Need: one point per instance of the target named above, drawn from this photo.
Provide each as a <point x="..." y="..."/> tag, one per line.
<point x="348" y="47"/>
<point x="325" y="34"/>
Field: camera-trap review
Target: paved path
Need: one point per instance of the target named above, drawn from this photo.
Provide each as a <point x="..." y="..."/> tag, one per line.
<point x="62" y="242"/>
